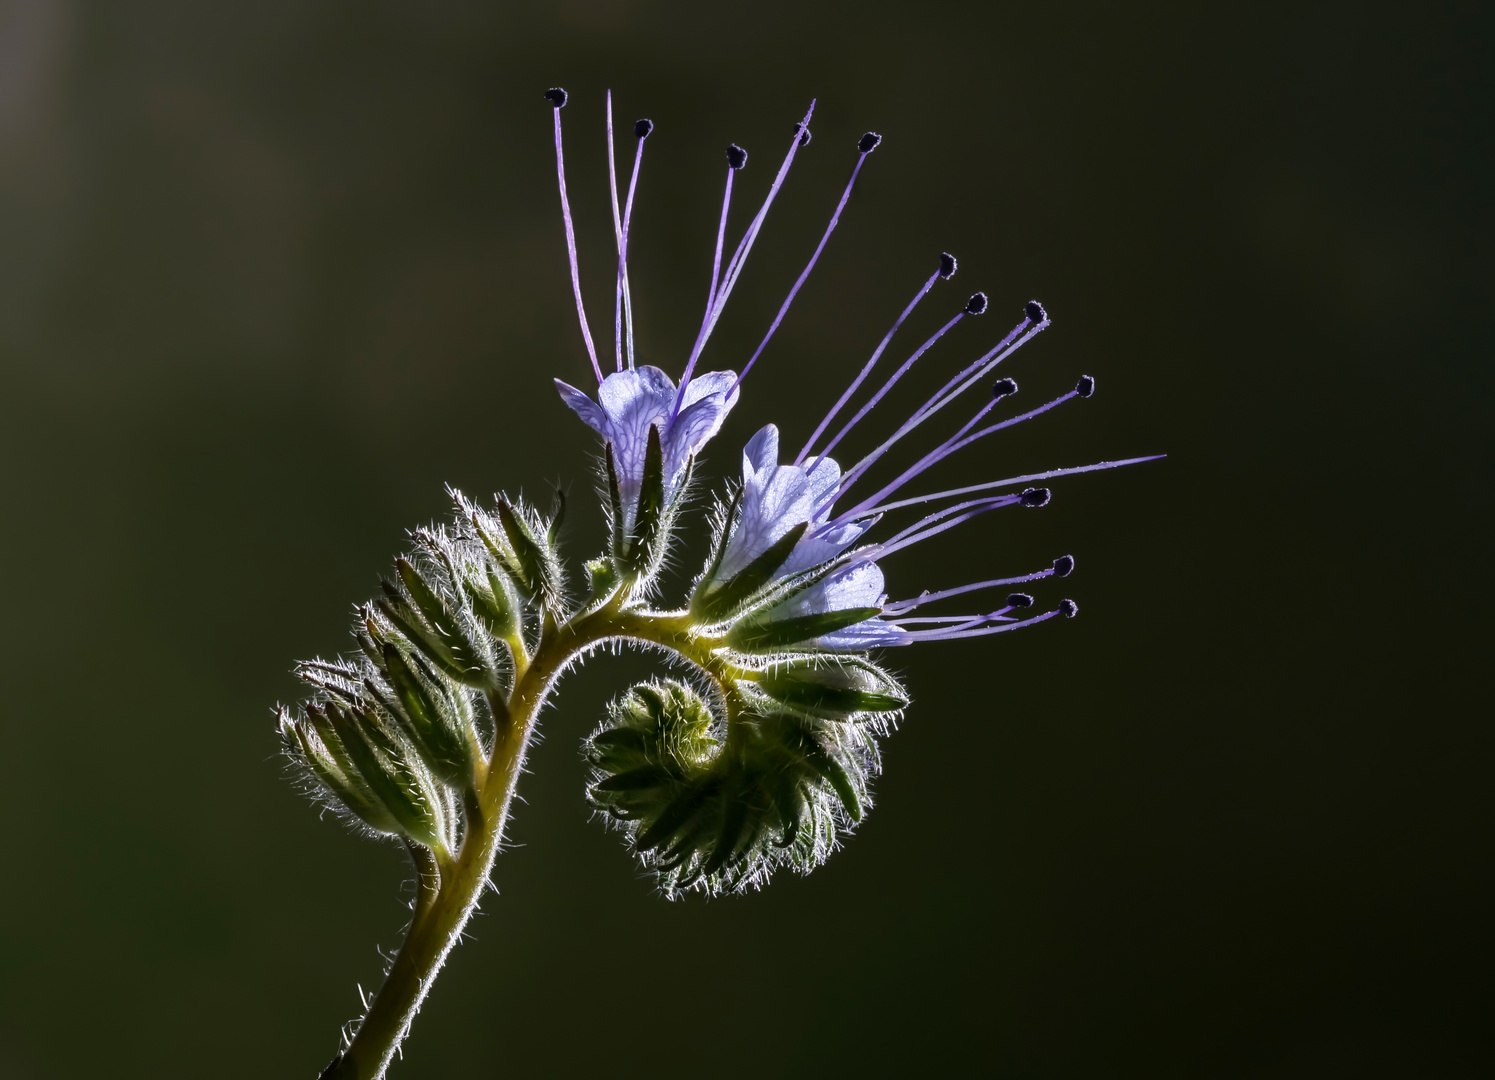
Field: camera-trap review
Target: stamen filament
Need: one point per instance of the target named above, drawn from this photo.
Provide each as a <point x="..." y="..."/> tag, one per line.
<point x="952" y="445"/>
<point x="612" y="183"/>
<point x="866" y="368"/>
<point x="924" y="529"/>
<point x="882" y="392"/>
<point x="804" y="274"/>
<point x="1009" y="482"/>
<point x="638" y="160"/>
<point x="945" y="594"/>
<point x="581" y="311"/>
<point x="956" y="635"/>
<point x="1005" y="348"/>
<point x="734" y="267"/>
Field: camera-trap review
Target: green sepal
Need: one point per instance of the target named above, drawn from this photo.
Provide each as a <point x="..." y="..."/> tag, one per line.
<point x="721" y="534"/>
<point x="756" y="635"/>
<point x="433" y="648"/>
<point x="637" y="550"/>
<point x="615" y="504"/>
<point x="602" y="578"/>
<point x="439" y="733"/>
<point x="833" y="687"/>
<point x="390" y="773"/>
<point x="716" y="604"/>
<point x="681" y="811"/>
<point x="469" y="662"/>
<point x="329" y="764"/>
<point x="491" y="603"/>
<point x="734" y="822"/>
<point x="534" y="562"/>
<point x="640" y="779"/>
<point x="557" y="518"/>
<point x="820" y="758"/>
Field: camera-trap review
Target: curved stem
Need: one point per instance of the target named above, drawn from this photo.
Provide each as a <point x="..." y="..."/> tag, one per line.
<point x="440" y="913"/>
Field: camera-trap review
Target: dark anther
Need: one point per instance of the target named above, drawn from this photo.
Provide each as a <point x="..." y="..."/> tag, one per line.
<point x="976" y="304"/>
<point x="1086" y="386"/>
<point x="804" y="134"/>
<point x="736" y="156"/>
<point x="1003" y="388"/>
<point x="1034" y="310"/>
<point x="868" y="142"/>
<point x="1035" y="497"/>
<point x="556" y="96"/>
<point x="1064" y="565"/>
<point x="1068" y="608"/>
<point x="642" y="129"/>
<point x="947" y="266"/>
<point x="1019" y="600"/>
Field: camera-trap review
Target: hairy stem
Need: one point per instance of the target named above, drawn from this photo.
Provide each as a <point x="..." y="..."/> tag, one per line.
<point x="442" y="910"/>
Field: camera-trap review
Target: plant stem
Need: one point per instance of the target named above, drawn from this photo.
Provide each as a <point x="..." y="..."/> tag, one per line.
<point x="440" y="914"/>
<point x="438" y="921"/>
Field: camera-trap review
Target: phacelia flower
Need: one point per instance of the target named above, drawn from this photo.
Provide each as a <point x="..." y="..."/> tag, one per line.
<point x="633" y="399"/>
<point x="815" y="583"/>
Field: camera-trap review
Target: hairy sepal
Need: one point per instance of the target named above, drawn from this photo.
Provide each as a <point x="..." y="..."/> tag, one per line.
<point x="715" y="805"/>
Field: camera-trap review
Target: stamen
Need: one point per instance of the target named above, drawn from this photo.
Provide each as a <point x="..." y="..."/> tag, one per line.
<point x="1003" y="388"/>
<point x="932" y="525"/>
<point x="956" y="635"/>
<point x="1086" y="386"/>
<point x="804" y="274"/>
<point x="876" y="355"/>
<point x="883" y="390"/>
<point x="927" y="597"/>
<point x="1019" y="600"/>
<point x="557" y="97"/>
<point x="1064" y="565"/>
<point x="952" y="445"/>
<point x="976" y="304"/>
<point x="1035" y="497"/>
<point x="734" y="266"/>
<point x="1011" y="481"/>
<point x="641" y="131"/>
<point x="716" y="273"/>
<point x="1068" y="608"/>
<point x="869" y="142"/>
<point x="932" y="619"/>
<point x="612" y="183"/>
<point x="947" y="266"/>
<point x="737" y="157"/>
<point x="934" y="456"/>
<point x="1003" y="349"/>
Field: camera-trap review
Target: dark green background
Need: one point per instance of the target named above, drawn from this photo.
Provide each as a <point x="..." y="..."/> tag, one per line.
<point x="271" y="274"/>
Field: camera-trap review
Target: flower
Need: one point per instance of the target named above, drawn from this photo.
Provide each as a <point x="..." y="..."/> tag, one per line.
<point x="632" y="401"/>
<point x="833" y="597"/>
<point x="777" y="498"/>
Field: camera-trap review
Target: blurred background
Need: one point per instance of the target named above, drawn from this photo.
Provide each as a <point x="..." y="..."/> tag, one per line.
<point x="271" y="275"/>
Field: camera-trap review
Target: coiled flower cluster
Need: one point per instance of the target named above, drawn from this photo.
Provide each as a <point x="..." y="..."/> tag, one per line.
<point x="761" y="755"/>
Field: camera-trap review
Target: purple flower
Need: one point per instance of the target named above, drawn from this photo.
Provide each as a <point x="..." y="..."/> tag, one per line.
<point x="775" y="499"/>
<point x="630" y="402"/>
<point x="778" y="498"/>
<point x="633" y="398"/>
